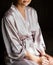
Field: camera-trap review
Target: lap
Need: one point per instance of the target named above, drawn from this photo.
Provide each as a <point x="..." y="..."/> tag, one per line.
<point x="24" y="62"/>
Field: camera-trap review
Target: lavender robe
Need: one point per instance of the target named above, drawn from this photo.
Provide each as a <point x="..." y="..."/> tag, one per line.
<point x="21" y="34"/>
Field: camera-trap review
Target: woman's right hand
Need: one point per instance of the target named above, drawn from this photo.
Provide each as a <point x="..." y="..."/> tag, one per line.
<point x="34" y="58"/>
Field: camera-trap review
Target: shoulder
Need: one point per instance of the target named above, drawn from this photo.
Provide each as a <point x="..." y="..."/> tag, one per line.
<point x="31" y="10"/>
<point x="8" y="15"/>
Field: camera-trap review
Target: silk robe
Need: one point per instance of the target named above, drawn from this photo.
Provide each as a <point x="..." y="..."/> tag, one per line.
<point x="21" y="35"/>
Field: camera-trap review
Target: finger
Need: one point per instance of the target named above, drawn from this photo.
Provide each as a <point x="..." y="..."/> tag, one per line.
<point x="45" y="62"/>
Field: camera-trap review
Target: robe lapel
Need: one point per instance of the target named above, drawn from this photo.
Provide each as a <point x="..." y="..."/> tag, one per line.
<point x="20" y="22"/>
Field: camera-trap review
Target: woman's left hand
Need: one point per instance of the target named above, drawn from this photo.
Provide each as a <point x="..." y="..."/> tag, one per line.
<point x="45" y="61"/>
<point x="51" y="60"/>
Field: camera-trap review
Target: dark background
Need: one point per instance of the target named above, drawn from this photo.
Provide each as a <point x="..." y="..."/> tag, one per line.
<point x="44" y="10"/>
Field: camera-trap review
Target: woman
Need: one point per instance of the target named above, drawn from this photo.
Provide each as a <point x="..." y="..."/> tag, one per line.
<point x="22" y="36"/>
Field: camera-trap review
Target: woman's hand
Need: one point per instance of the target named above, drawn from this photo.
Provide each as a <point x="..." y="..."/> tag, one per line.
<point x="45" y="61"/>
<point x="34" y="58"/>
<point x="50" y="58"/>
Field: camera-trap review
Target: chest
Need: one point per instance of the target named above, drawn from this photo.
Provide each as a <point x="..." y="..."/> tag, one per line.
<point x="25" y="26"/>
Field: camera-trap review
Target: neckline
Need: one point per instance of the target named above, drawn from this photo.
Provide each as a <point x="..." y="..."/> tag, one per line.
<point x="24" y="19"/>
<point x="19" y="14"/>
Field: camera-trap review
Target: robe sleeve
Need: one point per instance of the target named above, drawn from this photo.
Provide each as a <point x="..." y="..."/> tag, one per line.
<point x="16" y="47"/>
<point x="38" y="34"/>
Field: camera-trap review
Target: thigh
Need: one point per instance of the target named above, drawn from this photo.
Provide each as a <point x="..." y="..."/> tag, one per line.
<point x="24" y="62"/>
